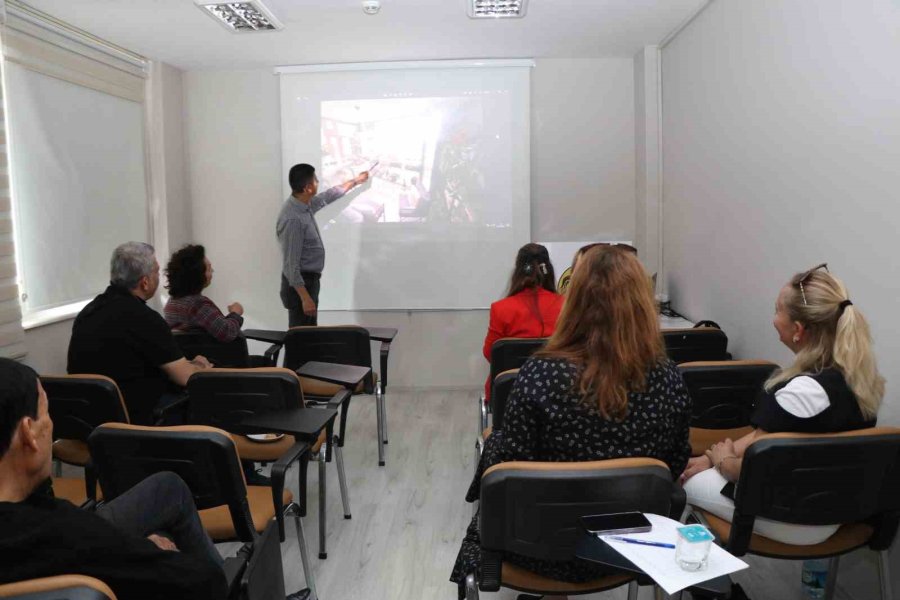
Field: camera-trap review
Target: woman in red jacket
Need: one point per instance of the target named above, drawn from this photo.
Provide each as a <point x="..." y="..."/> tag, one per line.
<point x="531" y="305"/>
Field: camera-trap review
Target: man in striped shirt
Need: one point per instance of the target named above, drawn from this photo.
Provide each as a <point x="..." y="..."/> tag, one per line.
<point x="302" y="251"/>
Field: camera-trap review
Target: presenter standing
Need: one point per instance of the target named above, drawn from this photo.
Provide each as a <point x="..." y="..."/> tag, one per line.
<point x="302" y="251"/>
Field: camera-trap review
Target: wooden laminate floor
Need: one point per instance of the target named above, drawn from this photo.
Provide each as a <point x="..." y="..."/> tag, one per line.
<point x="409" y="516"/>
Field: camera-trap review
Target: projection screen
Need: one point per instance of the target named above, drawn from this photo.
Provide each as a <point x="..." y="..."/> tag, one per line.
<point x="448" y="203"/>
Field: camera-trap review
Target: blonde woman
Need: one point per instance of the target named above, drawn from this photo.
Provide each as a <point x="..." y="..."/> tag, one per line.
<point x="833" y="385"/>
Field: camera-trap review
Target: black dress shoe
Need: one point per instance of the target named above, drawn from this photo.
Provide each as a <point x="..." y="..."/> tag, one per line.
<point x="299" y="595"/>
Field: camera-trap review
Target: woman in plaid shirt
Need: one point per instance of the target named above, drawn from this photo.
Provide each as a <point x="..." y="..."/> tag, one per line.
<point x="189" y="271"/>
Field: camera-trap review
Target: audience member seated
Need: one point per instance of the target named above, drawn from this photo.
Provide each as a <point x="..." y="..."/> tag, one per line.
<point x="833" y="386"/>
<point x="531" y="306"/>
<point x="124" y="543"/>
<point x="188" y="272"/>
<point x="602" y="388"/>
<point x="119" y="336"/>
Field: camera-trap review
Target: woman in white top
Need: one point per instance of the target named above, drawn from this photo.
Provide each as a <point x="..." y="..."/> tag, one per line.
<point x="833" y="385"/>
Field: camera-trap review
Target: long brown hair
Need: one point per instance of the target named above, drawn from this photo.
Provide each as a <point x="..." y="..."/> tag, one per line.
<point x="609" y="328"/>
<point x="837" y="335"/>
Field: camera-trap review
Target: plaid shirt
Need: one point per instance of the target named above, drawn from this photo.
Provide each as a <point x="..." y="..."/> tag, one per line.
<point x="199" y="312"/>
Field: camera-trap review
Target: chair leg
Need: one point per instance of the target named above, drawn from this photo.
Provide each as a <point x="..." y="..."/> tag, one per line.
<point x="384" y="419"/>
<point x="834" y="564"/>
<point x="342" y="480"/>
<point x="320" y="458"/>
<point x="471" y="587"/>
<point x="57" y="468"/>
<point x="304" y="558"/>
<point x="632" y="590"/>
<point x="884" y="574"/>
<point x="379" y="413"/>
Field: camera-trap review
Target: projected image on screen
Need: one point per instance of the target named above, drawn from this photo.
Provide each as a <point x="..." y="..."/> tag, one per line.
<point x="433" y="155"/>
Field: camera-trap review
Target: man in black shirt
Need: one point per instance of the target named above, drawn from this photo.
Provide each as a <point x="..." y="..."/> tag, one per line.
<point x="42" y="536"/>
<point x="119" y="336"/>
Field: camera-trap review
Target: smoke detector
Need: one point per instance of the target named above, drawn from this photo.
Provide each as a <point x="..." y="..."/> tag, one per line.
<point x="371" y="7"/>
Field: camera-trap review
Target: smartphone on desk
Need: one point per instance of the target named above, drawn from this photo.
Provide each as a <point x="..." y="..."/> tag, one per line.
<point x="616" y="523"/>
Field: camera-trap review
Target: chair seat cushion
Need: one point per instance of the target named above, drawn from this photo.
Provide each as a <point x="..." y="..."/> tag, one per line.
<point x="318" y="443"/>
<point x="317" y="387"/>
<point x="48" y="585"/>
<point x="73" y="489"/>
<point x="72" y="452"/>
<point x="249" y="449"/>
<point x="702" y="439"/>
<point x="845" y="539"/>
<point x="486" y="433"/>
<point x="517" y="578"/>
<point x="217" y="521"/>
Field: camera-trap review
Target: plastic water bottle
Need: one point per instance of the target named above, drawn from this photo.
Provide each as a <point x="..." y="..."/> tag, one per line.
<point x="815" y="572"/>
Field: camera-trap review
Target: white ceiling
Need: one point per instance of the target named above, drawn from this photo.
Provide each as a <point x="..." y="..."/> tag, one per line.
<point x="327" y="31"/>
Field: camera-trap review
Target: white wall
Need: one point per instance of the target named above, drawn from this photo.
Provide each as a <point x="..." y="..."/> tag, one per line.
<point x="582" y="188"/>
<point x="781" y="126"/>
<point x="582" y="149"/>
<point x="646" y="156"/>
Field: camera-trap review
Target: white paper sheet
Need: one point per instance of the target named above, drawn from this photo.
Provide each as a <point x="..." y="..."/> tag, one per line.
<point x="659" y="563"/>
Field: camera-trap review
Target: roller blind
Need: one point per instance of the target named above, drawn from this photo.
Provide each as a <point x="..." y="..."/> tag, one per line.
<point x="77" y="159"/>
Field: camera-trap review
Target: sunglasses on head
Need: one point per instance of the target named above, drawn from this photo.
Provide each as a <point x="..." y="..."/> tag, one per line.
<point x="806" y="276"/>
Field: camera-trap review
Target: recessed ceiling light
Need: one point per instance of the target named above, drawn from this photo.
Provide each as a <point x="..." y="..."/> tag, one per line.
<point x="241" y="17"/>
<point x="497" y="9"/>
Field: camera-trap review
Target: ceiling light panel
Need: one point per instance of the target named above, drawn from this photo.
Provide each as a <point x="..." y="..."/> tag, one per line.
<point x="241" y="17"/>
<point x="497" y="9"/>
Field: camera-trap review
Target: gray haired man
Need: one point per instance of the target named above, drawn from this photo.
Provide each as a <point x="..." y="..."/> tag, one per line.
<point x="119" y="336"/>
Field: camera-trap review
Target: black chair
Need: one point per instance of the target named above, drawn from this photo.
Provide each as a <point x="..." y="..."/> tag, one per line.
<point x="344" y="345"/>
<point x="263" y="577"/>
<point x="224" y="398"/>
<point x="723" y="395"/>
<point x="233" y="354"/>
<point x="850" y="478"/>
<point x="500" y="389"/>
<point x="506" y="354"/>
<point x="207" y="460"/>
<point x="532" y="509"/>
<point x="78" y="404"/>
<point x="699" y="343"/>
<point x="59" y="587"/>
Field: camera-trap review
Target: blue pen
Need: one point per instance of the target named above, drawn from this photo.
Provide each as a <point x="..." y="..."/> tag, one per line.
<point x="641" y="542"/>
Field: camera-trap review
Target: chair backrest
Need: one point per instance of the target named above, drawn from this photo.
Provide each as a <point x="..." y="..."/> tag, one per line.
<point x="500" y="389"/>
<point x="224" y="397"/>
<point x="511" y="353"/>
<point x="340" y="344"/>
<point x="58" y="587"/>
<point x="79" y="403"/>
<point x="532" y="508"/>
<point x="723" y="393"/>
<point x="263" y="579"/>
<point x="204" y="457"/>
<point x="233" y="354"/>
<point x="699" y="343"/>
<point x="819" y="479"/>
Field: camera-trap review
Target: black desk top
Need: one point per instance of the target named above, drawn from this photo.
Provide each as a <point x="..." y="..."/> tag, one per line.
<point x="302" y="422"/>
<point x="265" y="335"/>
<point x="592" y="548"/>
<point x="272" y="336"/>
<point x="348" y="376"/>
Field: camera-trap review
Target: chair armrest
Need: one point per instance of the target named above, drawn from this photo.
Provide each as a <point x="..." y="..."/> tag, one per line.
<point x="677" y="502"/>
<point x="160" y="414"/>
<point x="491" y="566"/>
<point x="234" y="567"/>
<point x="279" y="469"/>
<point x="338" y="399"/>
<point x="271" y="354"/>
